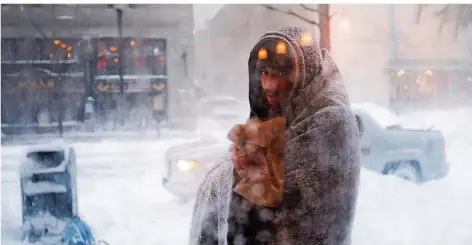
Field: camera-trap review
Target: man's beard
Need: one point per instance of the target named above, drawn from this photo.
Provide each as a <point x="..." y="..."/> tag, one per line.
<point x="277" y="107"/>
<point x="275" y="110"/>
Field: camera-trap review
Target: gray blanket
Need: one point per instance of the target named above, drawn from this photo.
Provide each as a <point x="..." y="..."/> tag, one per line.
<point x="321" y="163"/>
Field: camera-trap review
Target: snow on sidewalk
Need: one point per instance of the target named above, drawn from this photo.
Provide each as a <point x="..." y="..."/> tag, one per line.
<point x="121" y="197"/>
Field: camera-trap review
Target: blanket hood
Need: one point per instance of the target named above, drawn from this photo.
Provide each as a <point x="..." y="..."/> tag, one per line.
<point x="312" y="67"/>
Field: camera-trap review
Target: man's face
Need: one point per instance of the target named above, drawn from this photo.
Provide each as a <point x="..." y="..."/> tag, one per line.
<point x="275" y="84"/>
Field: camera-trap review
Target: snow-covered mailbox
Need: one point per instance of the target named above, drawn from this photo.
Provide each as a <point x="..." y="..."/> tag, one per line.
<point x="48" y="190"/>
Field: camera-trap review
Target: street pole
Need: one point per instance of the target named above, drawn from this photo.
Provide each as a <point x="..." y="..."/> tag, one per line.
<point x="393" y="53"/>
<point x="119" y="15"/>
<point x="325" y="32"/>
<point x="392" y="33"/>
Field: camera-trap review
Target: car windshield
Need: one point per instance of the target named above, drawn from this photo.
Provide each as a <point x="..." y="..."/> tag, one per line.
<point x="385" y="117"/>
<point x="221" y="102"/>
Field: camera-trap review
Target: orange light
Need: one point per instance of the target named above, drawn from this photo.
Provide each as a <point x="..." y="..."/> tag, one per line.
<point x="132" y="43"/>
<point x="113" y="49"/>
<point x="306" y="38"/>
<point x="262" y="53"/>
<point x="159" y="86"/>
<point x="57" y="42"/>
<point x="63" y="45"/>
<point x="69" y="48"/>
<point x="116" y="60"/>
<point x="281" y="48"/>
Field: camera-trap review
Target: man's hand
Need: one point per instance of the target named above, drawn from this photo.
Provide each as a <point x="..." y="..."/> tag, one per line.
<point x="246" y="160"/>
<point x="239" y="160"/>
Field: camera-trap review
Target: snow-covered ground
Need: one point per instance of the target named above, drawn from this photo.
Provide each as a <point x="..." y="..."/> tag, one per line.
<point x="120" y="193"/>
<point x="392" y="211"/>
<point x="121" y="197"/>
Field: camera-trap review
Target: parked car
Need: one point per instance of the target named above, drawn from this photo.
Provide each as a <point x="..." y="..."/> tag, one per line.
<point x="413" y="154"/>
<point x="220" y="113"/>
<point x="417" y="155"/>
<point x="187" y="164"/>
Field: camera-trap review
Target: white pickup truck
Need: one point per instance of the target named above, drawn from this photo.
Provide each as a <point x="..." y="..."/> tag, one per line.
<point x="414" y="155"/>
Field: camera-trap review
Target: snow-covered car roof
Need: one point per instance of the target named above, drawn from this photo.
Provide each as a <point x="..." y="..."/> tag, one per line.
<point x="220" y="98"/>
<point x="382" y="115"/>
<point x="225" y="101"/>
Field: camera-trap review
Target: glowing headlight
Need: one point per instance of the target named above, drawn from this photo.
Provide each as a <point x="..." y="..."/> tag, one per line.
<point x="212" y="114"/>
<point x="186" y="165"/>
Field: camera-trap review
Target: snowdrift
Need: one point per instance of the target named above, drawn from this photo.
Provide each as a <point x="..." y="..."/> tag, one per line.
<point x="121" y="197"/>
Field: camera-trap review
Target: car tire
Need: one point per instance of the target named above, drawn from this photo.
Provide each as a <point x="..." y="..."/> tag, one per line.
<point x="408" y="170"/>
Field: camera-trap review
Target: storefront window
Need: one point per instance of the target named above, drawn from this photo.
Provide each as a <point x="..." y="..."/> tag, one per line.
<point x="411" y="85"/>
<point x="107" y="57"/>
<point x="59" y="49"/>
<point x="27" y="49"/>
<point x="8" y="50"/>
<point x="35" y="83"/>
<point x="144" y="56"/>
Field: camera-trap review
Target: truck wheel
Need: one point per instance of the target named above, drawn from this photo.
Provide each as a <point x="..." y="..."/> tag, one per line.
<point x="408" y="170"/>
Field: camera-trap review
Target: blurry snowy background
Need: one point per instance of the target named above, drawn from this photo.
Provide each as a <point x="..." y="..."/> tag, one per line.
<point x="121" y="197"/>
<point x="417" y="66"/>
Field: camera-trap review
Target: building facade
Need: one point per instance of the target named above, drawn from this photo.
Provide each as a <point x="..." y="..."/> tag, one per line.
<point x="88" y="49"/>
<point x="376" y="47"/>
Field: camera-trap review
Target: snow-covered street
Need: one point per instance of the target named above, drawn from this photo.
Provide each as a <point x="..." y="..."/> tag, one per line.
<point x="120" y="193"/>
<point x="121" y="196"/>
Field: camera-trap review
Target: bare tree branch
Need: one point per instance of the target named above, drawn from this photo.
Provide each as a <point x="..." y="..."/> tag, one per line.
<point x="462" y="12"/>
<point x="309" y="9"/>
<point x="316" y="11"/>
<point x="418" y="13"/>
<point x="443" y="19"/>
<point x="290" y="12"/>
<point x="443" y="10"/>
<point x="460" y="20"/>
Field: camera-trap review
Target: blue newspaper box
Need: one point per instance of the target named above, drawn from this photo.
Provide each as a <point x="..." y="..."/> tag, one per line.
<point x="48" y="191"/>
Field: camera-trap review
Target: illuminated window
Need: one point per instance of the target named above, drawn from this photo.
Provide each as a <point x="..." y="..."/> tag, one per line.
<point x="113" y="49"/>
<point x="107" y="58"/>
<point x="146" y="57"/>
<point x="49" y="50"/>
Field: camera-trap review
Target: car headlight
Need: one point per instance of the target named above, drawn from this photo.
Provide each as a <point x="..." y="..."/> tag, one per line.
<point x="212" y="114"/>
<point x="186" y="165"/>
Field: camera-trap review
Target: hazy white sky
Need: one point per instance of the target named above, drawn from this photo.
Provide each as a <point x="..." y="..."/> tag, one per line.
<point x="203" y="12"/>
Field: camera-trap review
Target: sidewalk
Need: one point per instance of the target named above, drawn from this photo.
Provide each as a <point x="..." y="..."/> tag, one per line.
<point x="98" y="136"/>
